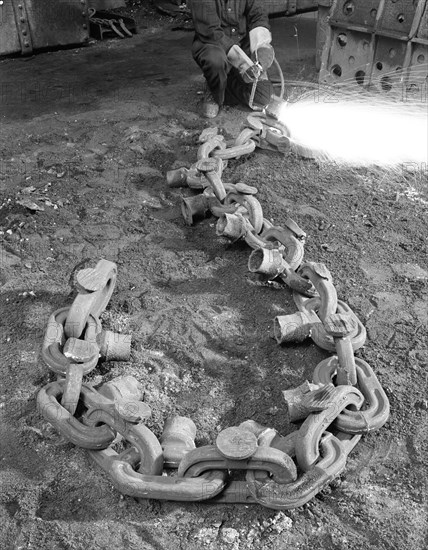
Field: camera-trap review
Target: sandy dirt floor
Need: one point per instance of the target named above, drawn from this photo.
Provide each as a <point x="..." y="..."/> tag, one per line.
<point x="88" y="135"/>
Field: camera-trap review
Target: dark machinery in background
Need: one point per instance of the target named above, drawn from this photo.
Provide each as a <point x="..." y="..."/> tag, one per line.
<point x="380" y="44"/>
<point x="28" y="25"/>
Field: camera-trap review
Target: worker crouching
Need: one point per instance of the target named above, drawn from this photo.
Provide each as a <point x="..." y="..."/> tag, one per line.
<point x="232" y="46"/>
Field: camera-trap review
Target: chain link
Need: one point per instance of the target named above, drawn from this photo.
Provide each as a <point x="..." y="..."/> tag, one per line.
<point x="74" y="339"/>
<point x="344" y="401"/>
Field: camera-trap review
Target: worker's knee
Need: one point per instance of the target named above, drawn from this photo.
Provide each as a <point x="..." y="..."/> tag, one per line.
<point x="211" y="57"/>
<point x="216" y="58"/>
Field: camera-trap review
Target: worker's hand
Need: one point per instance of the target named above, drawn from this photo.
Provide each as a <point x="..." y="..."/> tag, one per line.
<point x="248" y="70"/>
<point x="239" y="59"/>
<point x="259" y="36"/>
<point x="260" y="46"/>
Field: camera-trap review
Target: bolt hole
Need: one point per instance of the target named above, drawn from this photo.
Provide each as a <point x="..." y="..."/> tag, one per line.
<point x="342" y="40"/>
<point x="385" y="83"/>
<point x="351" y="59"/>
<point x="379" y="66"/>
<point x="359" y="77"/>
<point x="349" y="8"/>
<point x="337" y="70"/>
<point x="400" y="17"/>
<point x="373" y="13"/>
<point x="392" y="53"/>
<point x="421" y="58"/>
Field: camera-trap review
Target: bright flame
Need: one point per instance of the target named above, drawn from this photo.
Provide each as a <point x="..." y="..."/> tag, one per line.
<point x="358" y="132"/>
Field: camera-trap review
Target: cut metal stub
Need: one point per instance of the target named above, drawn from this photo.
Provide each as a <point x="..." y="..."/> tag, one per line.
<point x="194" y="208"/>
<point x="339" y="325"/>
<point x="292" y="328"/>
<point x="126" y="387"/>
<point x="269" y="437"/>
<point x="236" y="443"/>
<point x="298" y="283"/>
<point x="177" y="178"/>
<point x="114" y="346"/>
<point x="195" y="179"/>
<point x="177" y="439"/>
<point x="80" y="351"/>
<point x="126" y="393"/>
<point x="275" y="137"/>
<point x="254" y="122"/>
<point x="232" y="226"/>
<point x="267" y="262"/>
<point x="209" y="165"/>
<point x="308" y="398"/>
<point x="132" y="411"/>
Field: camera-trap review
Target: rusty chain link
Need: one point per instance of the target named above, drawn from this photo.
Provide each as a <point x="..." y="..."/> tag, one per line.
<point x="344" y="400"/>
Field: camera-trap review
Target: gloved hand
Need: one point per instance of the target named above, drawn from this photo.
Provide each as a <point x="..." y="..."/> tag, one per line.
<point x="240" y="60"/>
<point x="260" y="46"/>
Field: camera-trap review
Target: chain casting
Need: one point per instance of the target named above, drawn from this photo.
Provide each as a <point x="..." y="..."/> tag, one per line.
<point x="344" y="401"/>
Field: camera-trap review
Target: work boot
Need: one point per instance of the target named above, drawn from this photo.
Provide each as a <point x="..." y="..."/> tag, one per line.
<point x="210" y="107"/>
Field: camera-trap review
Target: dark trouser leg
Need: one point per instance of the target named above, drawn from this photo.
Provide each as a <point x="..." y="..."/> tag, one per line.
<point x="213" y="62"/>
<point x="238" y="91"/>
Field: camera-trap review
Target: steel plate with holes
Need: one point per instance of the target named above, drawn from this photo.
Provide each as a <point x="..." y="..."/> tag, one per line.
<point x="376" y="45"/>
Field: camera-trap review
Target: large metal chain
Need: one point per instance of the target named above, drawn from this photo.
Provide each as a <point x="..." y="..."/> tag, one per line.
<point x="344" y="400"/>
<point x="74" y="339"/>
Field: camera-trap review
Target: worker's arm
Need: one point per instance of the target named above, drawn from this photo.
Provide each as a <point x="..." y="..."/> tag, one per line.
<point x="258" y="24"/>
<point x="256" y="14"/>
<point x="207" y="24"/>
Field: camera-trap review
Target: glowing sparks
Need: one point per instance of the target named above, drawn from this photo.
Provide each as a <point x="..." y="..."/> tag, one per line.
<point x="358" y="132"/>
